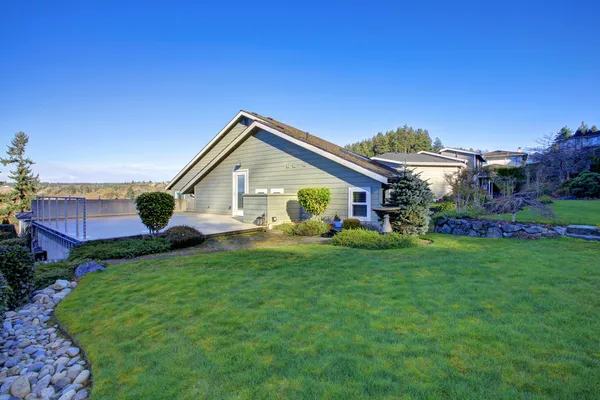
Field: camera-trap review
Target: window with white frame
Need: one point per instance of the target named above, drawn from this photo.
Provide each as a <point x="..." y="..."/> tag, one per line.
<point x="359" y="203"/>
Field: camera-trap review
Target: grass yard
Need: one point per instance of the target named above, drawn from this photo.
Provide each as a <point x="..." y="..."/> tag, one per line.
<point x="577" y="212"/>
<point x="460" y="318"/>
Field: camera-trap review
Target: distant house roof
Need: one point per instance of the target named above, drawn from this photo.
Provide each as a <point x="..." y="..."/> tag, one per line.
<point x="453" y="150"/>
<point x="421" y="158"/>
<point x="504" y="153"/>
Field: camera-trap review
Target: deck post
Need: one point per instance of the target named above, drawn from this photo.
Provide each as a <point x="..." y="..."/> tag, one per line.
<point x="77" y="217"/>
<point x="65" y="200"/>
<point x="56" y="212"/>
<point x="84" y="219"/>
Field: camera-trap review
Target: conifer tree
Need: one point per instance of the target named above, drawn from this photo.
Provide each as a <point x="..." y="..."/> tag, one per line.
<point x="437" y="145"/>
<point x="413" y="196"/>
<point x="25" y="182"/>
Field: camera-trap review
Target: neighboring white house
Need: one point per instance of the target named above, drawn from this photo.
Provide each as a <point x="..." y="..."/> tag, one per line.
<point x="431" y="167"/>
<point x="506" y="158"/>
<point x="473" y="159"/>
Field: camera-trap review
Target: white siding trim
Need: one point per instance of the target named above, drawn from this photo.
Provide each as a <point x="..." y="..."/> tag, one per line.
<point x="353" y="189"/>
<point x="260" y="191"/>
<point x="222" y="132"/>
<point x="276" y="190"/>
<point x="433" y="163"/>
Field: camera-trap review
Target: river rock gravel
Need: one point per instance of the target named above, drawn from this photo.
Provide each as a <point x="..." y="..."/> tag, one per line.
<point x="36" y="361"/>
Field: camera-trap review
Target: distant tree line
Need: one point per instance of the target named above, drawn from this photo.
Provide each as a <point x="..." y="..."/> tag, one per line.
<point x="404" y="139"/>
<point x="127" y="190"/>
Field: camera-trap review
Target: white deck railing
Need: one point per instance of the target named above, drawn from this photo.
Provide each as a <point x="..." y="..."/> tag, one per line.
<point x="48" y="209"/>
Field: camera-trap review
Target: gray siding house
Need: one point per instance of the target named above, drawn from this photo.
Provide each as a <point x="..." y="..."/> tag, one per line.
<point x="255" y="166"/>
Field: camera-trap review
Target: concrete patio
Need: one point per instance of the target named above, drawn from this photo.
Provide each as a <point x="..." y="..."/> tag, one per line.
<point x="108" y="227"/>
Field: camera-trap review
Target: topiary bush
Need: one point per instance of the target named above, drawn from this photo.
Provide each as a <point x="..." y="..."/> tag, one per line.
<point x="412" y="196"/>
<point x="371" y="240"/>
<point x="587" y="184"/>
<point x="314" y="200"/>
<point x="183" y="236"/>
<point x="46" y="273"/>
<point x="307" y="228"/>
<point x="351" y="223"/>
<point x="23" y="242"/>
<point x="118" y="249"/>
<point x="155" y="209"/>
<point x="17" y="266"/>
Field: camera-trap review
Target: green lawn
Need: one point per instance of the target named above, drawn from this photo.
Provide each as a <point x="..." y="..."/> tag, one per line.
<point x="577" y="212"/>
<point x="460" y="318"/>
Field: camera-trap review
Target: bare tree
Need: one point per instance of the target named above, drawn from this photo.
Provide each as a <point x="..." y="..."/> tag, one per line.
<point x="465" y="189"/>
<point x="564" y="159"/>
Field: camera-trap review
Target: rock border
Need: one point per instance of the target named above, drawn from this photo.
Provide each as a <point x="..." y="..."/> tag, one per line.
<point x="40" y="361"/>
<point x="496" y="229"/>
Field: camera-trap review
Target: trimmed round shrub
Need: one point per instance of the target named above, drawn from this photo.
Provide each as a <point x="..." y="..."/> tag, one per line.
<point x="351" y="223"/>
<point x="23" y="242"/>
<point x="17" y="266"/>
<point x="312" y="228"/>
<point x="155" y="209"/>
<point x="371" y="240"/>
<point x="314" y="200"/>
<point x="183" y="236"/>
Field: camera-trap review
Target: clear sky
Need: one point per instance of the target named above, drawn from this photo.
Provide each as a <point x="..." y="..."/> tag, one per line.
<point x="118" y="90"/>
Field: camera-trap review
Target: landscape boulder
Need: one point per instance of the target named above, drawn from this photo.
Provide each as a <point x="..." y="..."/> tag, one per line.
<point x="86" y="268"/>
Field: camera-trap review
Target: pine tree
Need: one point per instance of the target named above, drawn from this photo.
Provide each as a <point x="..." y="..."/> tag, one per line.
<point x="25" y="182"/>
<point x="413" y="196"/>
<point x="437" y="145"/>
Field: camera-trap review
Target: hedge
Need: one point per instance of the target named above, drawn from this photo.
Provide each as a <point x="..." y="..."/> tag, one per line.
<point x="17" y="266"/>
<point x="117" y="249"/>
<point x="371" y="240"/>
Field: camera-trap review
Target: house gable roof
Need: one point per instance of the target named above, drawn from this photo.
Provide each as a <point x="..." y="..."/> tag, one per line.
<point x="334" y="152"/>
<point x="504" y="153"/>
<point x="453" y="150"/>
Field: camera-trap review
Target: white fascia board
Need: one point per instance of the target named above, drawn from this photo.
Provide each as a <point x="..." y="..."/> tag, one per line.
<point x="221" y="133"/>
<point x="258" y="124"/>
<point x="423" y="164"/>
<point x="442" y="156"/>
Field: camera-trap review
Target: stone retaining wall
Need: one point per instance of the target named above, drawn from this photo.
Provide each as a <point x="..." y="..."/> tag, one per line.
<point x="495" y="229"/>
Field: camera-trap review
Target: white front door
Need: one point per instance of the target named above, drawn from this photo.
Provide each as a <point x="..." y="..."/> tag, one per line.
<point x="240" y="186"/>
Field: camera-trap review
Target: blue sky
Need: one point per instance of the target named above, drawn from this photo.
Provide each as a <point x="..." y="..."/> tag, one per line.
<point x="115" y="91"/>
